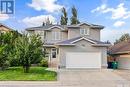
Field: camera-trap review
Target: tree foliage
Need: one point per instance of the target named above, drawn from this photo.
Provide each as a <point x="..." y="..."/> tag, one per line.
<point x="20" y="49"/>
<point x="74" y="18"/>
<point x="124" y="37"/>
<point x="64" y="18"/>
<point x="47" y="22"/>
<point x="3" y="56"/>
<point x="6" y="47"/>
<point x="27" y="49"/>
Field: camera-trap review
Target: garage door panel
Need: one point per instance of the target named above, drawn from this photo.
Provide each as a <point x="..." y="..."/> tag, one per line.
<point x="124" y="62"/>
<point x="83" y="60"/>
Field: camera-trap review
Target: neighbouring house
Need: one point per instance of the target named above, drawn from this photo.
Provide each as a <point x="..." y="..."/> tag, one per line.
<point x="121" y="53"/>
<point x="4" y="28"/>
<point x="73" y="46"/>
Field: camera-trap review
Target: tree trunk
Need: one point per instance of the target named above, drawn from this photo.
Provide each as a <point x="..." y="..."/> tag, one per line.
<point x="26" y="66"/>
<point x="26" y="69"/>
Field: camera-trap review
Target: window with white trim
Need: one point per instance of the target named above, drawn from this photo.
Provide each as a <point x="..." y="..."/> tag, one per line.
<point x="56" y="35"/>
<point x="84" y="31"/>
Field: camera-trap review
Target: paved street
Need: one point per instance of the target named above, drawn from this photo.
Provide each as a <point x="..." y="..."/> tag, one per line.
<point x="76" y="78"/>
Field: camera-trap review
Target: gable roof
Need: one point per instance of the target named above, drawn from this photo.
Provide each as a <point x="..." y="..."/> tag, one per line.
<point x="83" y="38"/>
<point x="68" y="42"/>
<point x="47" y="27"/>
<point x="64" y="27"/>
<point x="56" y="27"/>
<point x="92" y="25"/>
<point x="6" y="27"/>
<point x="73" y="40"/>
<point x="120" y="48"/>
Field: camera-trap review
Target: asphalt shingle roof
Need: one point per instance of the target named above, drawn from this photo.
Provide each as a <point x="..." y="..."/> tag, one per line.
<point x="64" y="26"/>
<point x="6" y="27"/>
<point x="120" y="47"/>
<point x="73" y="39"/>
<point x="69" y="41"/>
<point x="46" y="27"/>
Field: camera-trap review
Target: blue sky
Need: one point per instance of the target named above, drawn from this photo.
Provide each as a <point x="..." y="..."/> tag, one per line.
<point x="113" y="14"/>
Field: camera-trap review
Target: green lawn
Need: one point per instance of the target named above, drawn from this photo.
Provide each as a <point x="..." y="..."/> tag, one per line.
<point x="35" y="74"/>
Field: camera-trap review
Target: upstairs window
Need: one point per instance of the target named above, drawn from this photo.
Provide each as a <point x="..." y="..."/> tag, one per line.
<point x="84" y="31"/>
<point x="56" y="35"/>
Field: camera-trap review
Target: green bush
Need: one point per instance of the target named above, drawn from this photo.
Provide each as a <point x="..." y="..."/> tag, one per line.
<point x="14" y="62"/>
<point x="5" y="65"/>
<point x="44" y="62"/>
<point x="35" y="60"/>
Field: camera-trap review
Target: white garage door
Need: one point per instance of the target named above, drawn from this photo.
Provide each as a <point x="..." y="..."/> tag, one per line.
<point x="124" y="62"/>
<point x="83" y="60"/>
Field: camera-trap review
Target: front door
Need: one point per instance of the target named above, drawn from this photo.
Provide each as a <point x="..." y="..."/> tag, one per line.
<point x="53" y="53"/>
<point x="53" y="62"/>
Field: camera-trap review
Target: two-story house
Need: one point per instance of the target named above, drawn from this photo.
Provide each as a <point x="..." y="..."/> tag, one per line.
<point x="73" y="46"/>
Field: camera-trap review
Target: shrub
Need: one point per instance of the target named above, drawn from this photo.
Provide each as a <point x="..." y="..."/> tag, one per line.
<point x="44" y="62"/>
<point x="5" y="65"/>
<point x="35" y="60"/>
<point x="14" y="62"/>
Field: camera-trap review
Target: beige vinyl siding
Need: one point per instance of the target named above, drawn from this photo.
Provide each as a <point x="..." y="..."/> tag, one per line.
<point x="93" y="33"/>
<point x="4" y="29"/>
<point x="49" y="36"/>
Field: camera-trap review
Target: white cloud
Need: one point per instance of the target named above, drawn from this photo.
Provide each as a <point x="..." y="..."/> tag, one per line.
<point x="37" y="20"/>
<point x="112" y="34"/>
<point x="4" y="17"/>
<point x="100" y="8"/>
<point x="47" y="5"/>
<point x="116" y="13"/>
<point x="119" y="23"/>
<point x="120" y="12"/>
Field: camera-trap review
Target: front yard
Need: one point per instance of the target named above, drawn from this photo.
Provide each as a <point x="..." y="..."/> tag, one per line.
<point x="35" y="74"/>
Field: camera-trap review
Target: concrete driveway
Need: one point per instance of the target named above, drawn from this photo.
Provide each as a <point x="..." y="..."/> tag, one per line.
<point x="76" y="78"/>
<point x="92" y="78"/>
<point x="123" y="73"/>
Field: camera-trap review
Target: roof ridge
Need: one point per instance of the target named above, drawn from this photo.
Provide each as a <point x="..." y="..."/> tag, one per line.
<point x="120" y="47"/>
<point x="1" y="24"/>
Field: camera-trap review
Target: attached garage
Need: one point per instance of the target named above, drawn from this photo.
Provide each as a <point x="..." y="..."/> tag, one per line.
<point x="120" y="52"/>
<point x="83" y="60"/>
<point x="124" y="62"/>
<point x="82" y="53"/>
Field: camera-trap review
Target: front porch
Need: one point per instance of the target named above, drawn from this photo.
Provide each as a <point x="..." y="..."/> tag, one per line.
<point x="52" y="55"/>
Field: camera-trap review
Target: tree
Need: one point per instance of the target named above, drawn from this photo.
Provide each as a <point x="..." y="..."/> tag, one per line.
<point x="6" y="47"/>
<point x="124" y="37"/>
<point x="108" y="42"/>
<point x="74" y="19"/>
<point x="12" y="36"/>
<point x="3" y="56"/>
<point x="43" y="24"/>
<point x="47" y="22"/>
<point x="27" y="48"/>
<point x="64" y="18"/>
